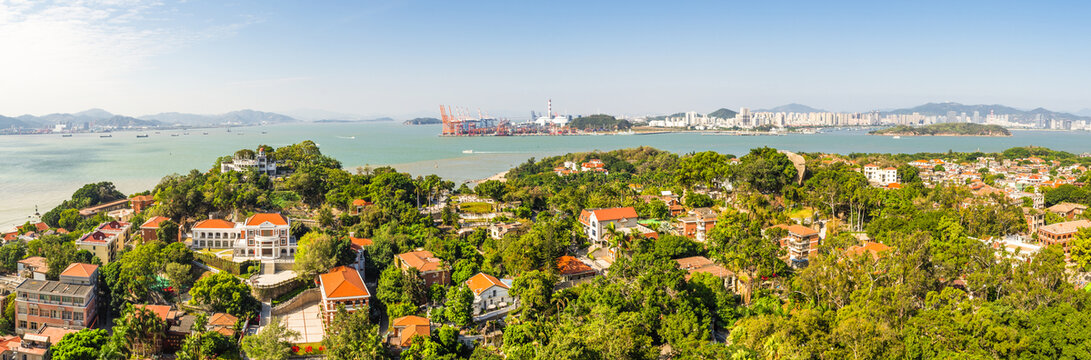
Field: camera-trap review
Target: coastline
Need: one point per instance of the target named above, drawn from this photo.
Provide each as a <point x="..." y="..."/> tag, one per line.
<point x="500" y="176"/>
<point x="950" y="135"/>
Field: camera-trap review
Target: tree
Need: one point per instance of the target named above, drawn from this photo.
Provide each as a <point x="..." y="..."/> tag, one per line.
<point x="273" y="342"/>
<point x="534" y="289"/>
<point x="202" y="345"/>
<point x="459" y="306"/>
<point x="766" y="170"/>
<point x="695" y="200"/>
<point x="352" y="336"/>
<point x="7" y="321"/>
<point x="493" y="189"/>
<point x="317" y="254"/>
<point x="85" y="344"/>
<point x="708" y="168"/>
<point x="167" y="232"/>
<point x="10" y="254"/>
<point x="139" y="331"/>
<point x="1080" y="249"/>
<point x="738" y="242"/>
<point x="180" y="275"/>
<point x="224" y="292"/>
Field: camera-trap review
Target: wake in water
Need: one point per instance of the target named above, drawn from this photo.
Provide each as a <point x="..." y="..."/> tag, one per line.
<point x="348" y="137"/>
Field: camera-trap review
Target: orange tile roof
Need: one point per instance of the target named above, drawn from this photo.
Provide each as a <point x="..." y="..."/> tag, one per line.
<point x="343" y="282"/>
<point x="154" y="222"/>
<point x="360" y="202"/>
<point x="273" y="218"/>
<point x="894" y="186"/>
<point x="410" y="320"/>
<point x="214" y="224"/>
<point x="222" y="319"/>
<point x="40" y="264"/>
<point x="41" y="226"/>
<point x="869" y="247"/>
<point x="482" y="282"/>
<point x="421" y="260"/>
<point x="701" y="264"/>
<point x="79" y="270"/>
<point x="360" y="242"/>
<point x="615" y="213"/>
<point x="161" y="311"/>
<point x="142" y="198"/>
<point x="798" y="230"/>
<point x="568" y="265"/>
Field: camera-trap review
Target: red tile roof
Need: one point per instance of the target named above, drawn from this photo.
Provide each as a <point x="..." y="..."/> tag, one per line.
<point x="360" y="202"/>
<point x="798" y="230"/>
<point x="154" y="222"/>
<point x="222" y="319"/>
<point x="869" y="247"/>
<point x="359" y="243"/>
<point x="482" y="282"/>
<point x="79" y="270"/>
<point x="568" y="265"/>
<point x="162" y="311"/>
<point x="258" y="219"/>
<point x="214" y="224"/>
<point x="421" y="260"/>
<point x="41" y="226"/>
<point x="343" y="282"/>
<point x="413" y="325"/>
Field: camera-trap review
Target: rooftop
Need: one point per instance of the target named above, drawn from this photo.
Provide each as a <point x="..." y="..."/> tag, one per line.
<point x="54" y="287"/>
<point x="343" y="282"/>
<point x="154" y="222"/>
<point x="1066" y="227"/>
<point x="482" y="281"/>
<point x="421" y="260"/>
<point x="80" y="270"/>
<point x="568" y="265"/>
<point x="272" y="218"/>
<point x="214" y="224"/>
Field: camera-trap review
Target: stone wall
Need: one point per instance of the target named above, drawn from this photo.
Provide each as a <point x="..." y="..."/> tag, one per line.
<point x="305" y="298"/>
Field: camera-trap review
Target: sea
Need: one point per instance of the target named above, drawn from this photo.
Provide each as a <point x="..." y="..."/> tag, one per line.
<point x="40" y="171"/>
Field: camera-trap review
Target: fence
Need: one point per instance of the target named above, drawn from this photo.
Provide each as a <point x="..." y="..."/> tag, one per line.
<point x="236" y="268"/>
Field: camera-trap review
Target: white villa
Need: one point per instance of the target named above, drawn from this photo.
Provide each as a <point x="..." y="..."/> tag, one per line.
<point x="260" y="162"/>
<point x="262" y="236"/>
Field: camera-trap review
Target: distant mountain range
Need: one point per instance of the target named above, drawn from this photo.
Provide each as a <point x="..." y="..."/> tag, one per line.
<point x="101" y="117"/>
<point x="791" y="108"/>
<point x="935" y="109"/>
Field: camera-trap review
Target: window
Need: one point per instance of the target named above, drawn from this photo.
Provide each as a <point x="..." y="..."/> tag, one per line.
<point x="78" y="316"/>
<point x="22" y="309"/>
<point x="22" y="324"/>
<point x="33" y="311"/>
<point x="267" y="233"/>
<point x="33" y="325"/>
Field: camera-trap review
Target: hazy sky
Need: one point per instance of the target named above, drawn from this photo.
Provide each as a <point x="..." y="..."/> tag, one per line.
<point x="627" y="57"/>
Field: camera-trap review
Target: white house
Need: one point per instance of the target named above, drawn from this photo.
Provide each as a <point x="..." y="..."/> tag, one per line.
<point x="881" y="177"/>
<point x="596" y="221"/>
<point x="262" y="236"/>
<point x="259" y="162"/>
<point x="490" y="293"/>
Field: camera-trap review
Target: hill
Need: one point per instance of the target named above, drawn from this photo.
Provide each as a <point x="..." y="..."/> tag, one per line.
<point x="241" y="117"/>
<point x="945" y="129"/>
<point x="723" y="113"/>
<point x="423" y="121"/>
<point x="937" y="109"/>
<point x="792" y="108"/>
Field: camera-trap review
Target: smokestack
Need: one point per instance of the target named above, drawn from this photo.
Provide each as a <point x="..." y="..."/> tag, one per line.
<point x="549" y="107"/>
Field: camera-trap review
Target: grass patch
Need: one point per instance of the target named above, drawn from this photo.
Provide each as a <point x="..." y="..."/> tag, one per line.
<point x="285" y="199"/>
<point x="291" y="294"/>
<point x="804" y="213"/>
<point x="477" y="207"/>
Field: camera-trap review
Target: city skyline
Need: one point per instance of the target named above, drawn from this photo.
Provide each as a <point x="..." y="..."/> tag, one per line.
<point x="405" y="58"/>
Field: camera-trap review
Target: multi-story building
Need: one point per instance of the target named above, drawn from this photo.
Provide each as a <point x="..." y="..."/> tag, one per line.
<point x="881" y="177"/>
<point x="431" y="268"/>
<point x="260" y="162"/>
<point x="141" y="203"/>
<point x="1067" y="210"/>
<point x="360" y="245"/>
<point x="68" y="303"/>
<point x="596" y="221"/>
<point x="490" y="293"/>
<point x="342" y="286"/>
<point x="701" y="264"/>
<point x="573" y="272"/>
<point x="262" y="236"/>
<point x="105" y="240"/>
<point x="149" y="229"/>
<point x="34" y="267"/>
<point x="36" y="345"/>
<point x="801" y="242"/>
<point x="1061" y="233"/>
<point x="403" y="329"/>
<point x="698" y="223"/>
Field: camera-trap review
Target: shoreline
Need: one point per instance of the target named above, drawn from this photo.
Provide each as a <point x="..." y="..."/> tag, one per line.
<point x="500" y="176"/>
<point x="948" y="135"/>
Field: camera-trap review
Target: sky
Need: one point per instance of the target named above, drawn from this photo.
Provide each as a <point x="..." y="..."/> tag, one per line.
<point x="405" y="58"/>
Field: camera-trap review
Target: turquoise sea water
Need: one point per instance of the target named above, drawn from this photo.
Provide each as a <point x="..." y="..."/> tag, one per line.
<point x="43" y="170"/>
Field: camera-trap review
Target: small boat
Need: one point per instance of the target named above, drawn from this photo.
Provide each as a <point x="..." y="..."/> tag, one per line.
<point x="897" y="137"/>
<point x="105" y="136"/>
<point x="264" y="132"/>
<point x="66" y="135"/>
<point x="467" y="151"/>
<point x="141" y="136"/>
<point x="206" y="133"/>
<point x="173" y="134"/>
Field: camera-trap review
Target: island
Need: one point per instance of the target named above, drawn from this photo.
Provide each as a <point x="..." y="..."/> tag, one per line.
<point x="945" y="129"/>
<point x="422" y="121"/>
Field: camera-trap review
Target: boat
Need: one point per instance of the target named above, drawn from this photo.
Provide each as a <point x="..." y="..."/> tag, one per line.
<point x="897" y="137"/>
<point x="66" y="135"/>
<point x="206" y="133"/>
<point x="105" y="136"/>
<point x="141" y="135"/>
<point x="264" y="132"/>
<point x="173" y="134"/>
<point x="467" y="151"/>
